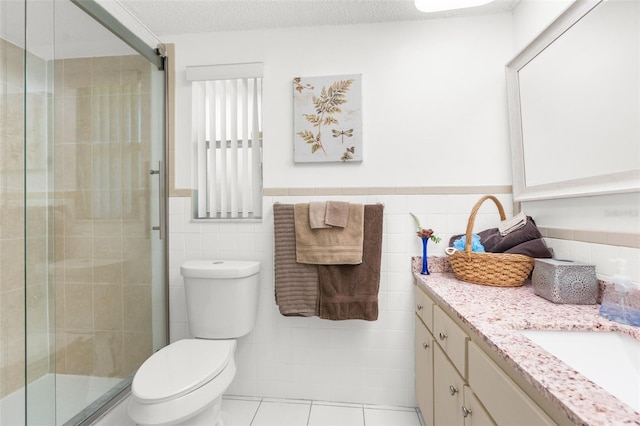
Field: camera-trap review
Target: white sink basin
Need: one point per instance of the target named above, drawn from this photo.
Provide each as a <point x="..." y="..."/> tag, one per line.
<point x="611" y="360"/>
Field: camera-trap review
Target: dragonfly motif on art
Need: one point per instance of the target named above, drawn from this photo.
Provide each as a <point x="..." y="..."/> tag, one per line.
<point x="342" y="133"/>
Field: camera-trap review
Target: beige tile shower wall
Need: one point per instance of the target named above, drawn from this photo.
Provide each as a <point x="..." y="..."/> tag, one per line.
<point x="102" y="245"/>
<point x="38" y="212"/>
<point x="23" y="249"/>
<point x="15" y="286"/>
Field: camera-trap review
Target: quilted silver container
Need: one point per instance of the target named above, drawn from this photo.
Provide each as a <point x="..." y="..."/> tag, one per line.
<point x="564" y="281"/>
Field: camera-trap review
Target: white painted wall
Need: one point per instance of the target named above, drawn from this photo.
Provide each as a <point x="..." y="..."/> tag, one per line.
<point x="531" y="17"/>
<point x="434" y="103"/>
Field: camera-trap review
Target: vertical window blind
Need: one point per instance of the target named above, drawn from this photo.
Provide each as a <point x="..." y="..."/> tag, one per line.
<point x="227" y="140"/>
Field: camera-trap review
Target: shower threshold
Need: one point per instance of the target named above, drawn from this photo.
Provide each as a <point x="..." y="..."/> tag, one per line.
<point x="76" y="398"/>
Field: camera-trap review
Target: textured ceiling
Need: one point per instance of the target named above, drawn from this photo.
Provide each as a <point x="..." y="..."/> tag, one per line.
<point x="166" y="17"/>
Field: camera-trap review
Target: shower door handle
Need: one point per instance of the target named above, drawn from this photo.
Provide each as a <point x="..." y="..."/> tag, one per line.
<point x="161" y="200"/>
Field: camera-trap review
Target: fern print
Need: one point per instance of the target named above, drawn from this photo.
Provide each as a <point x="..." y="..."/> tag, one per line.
<point x="322" y="111"/>
<point x="326" y="106"/>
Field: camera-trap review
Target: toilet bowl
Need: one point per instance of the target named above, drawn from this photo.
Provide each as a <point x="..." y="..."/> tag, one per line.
<point x="183" y="383"/>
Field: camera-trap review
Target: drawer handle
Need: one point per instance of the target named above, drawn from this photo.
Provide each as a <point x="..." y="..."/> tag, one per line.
<point x="419" y="307"/>
<point x="425" y="345"/>
<point x="465" y="411"/>
<point x="452" y="390"/>
<point x="442" y="336"/>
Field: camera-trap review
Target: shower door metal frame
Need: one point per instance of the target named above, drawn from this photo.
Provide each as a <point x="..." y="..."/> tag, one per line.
<point x="100" y="14"/>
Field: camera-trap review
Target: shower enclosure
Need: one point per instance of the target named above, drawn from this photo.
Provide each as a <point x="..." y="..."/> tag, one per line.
<point x="82" y="241"/>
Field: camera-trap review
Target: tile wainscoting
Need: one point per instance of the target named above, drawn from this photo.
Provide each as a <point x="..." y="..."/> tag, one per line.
<point x="346" y="361"/>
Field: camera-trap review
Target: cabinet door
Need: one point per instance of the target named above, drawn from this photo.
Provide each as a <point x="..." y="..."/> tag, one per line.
<point x="448" y="388"/>
<point x="424" y="371"/>
<point x="473" y="412"/>
<point x="505" y="400"/>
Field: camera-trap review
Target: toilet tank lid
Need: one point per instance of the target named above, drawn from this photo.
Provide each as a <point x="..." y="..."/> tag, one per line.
<point x="219" y="268"/>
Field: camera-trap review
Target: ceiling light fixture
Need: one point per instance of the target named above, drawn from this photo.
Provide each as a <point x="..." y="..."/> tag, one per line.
<point x="440" y="5"/>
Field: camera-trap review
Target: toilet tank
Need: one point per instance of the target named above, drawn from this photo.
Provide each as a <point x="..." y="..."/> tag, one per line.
<point x="221" y="297"/>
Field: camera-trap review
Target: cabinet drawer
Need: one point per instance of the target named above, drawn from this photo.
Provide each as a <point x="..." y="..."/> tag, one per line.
<point x="451" y="338"/>
<point x="424" y="308"/>
<point x="501" y="396"/>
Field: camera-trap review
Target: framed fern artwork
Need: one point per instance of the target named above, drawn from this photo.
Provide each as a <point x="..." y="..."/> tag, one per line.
<point x="327" y="119"/>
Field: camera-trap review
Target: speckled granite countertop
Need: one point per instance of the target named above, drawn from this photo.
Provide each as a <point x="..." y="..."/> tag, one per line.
<point x="495" y="314"/>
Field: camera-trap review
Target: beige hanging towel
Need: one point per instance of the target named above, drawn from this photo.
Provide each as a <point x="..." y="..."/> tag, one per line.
<point x="337" y="213"/>
<point x="317" y="212"/>
<point x="332" y="246"/>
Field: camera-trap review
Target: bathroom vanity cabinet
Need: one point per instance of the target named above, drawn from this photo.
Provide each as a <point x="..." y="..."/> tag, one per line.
<point x="456" y="382"/>
<point x="494" y="367"/>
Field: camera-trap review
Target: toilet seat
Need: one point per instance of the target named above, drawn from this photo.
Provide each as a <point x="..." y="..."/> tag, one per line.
<point x="180" y="368"/>
<point x="186" y="409"/>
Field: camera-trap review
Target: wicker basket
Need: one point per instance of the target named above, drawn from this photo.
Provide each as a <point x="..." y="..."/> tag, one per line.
<point x="494" y="269"/>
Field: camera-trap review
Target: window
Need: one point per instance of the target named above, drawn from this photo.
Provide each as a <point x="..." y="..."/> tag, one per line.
<point x="227" y="140"/>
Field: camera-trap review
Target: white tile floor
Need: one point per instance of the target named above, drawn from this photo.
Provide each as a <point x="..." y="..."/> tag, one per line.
<point x="247" y="411"/>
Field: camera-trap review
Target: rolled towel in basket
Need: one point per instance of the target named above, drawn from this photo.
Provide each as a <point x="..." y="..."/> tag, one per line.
<point x="495" y="243"/>
<point x="510" y="225"/>
<point x="515" y="242"/>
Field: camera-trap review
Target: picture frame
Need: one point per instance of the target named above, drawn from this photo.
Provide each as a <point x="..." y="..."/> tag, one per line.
<point x="327" y="125"/>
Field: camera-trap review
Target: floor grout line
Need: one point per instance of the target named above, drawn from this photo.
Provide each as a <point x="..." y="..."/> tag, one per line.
<point x="319" y="403"/>
<point x="256" y="413"/>
<point x="309" y="413"/>
<point x="388" y="407"/>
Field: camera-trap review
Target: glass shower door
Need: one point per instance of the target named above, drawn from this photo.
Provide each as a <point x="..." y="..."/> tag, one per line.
<point x="82" y="271"/>
<point x="109" y="137"/>
<point x="12" y="214"/>
<point x="39" y="279"/>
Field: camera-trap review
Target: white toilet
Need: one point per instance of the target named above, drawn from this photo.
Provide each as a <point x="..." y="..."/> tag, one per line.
<point x="183" y="383"/>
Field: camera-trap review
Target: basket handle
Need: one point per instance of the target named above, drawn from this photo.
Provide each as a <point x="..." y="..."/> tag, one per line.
<point x="472" y="218"/>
